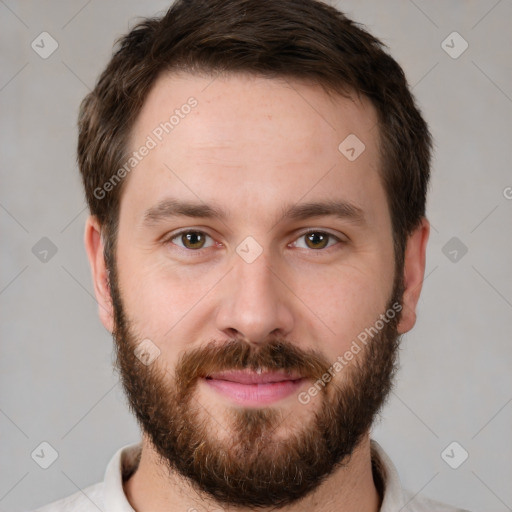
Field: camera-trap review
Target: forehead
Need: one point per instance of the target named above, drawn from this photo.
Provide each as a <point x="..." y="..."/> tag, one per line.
<point x="252" y="144"/>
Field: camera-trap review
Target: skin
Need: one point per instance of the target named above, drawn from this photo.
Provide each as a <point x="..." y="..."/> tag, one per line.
<point x="251" y="146"/>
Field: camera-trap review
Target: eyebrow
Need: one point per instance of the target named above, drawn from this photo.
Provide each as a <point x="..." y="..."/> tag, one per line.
<point x="330" y="208"/>
<point x="170" y="208"/>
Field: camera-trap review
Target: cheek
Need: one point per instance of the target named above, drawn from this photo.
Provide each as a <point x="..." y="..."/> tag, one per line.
<point x="342" y="302"/>
<point x="158" y="295"/>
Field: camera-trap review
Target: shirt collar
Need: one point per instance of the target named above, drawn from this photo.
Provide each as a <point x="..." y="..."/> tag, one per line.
<point x="123" y="463"/>
<point x="393" y="499"/>
<point x="126" y="460"/>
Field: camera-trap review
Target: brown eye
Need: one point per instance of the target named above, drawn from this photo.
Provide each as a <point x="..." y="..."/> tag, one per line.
<point x="190" y="239"/>
<point x="316" y="240"/>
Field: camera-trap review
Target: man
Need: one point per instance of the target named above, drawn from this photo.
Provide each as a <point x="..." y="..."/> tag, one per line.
<point x="256" y="173"/>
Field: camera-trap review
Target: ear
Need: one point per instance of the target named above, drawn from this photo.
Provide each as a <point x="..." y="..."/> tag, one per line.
<point x="94" y="247"/>
<point x="414" y="271"/>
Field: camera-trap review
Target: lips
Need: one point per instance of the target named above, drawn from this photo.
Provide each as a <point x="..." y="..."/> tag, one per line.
<point x="252" y="377"/>
<point x="247" y="387"/>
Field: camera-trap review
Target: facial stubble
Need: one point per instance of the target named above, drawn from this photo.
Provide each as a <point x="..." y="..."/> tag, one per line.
<point x="237" y="459"/>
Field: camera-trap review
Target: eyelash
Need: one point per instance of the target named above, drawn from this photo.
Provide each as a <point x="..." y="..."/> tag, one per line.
<point x="199" y="251"/>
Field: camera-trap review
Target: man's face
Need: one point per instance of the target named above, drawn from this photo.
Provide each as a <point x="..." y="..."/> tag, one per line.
<point x="248" y="310"/>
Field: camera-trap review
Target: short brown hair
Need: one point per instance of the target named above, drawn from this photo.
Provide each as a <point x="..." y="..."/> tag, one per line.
<point x="302" y="39"/>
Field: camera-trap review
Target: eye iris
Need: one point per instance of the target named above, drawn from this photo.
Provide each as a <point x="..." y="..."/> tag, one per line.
<point x="193" y="240"/>
<point x="316" y="238"/>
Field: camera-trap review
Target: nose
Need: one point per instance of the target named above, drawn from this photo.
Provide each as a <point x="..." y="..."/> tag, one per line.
<point x="254" y="302"/>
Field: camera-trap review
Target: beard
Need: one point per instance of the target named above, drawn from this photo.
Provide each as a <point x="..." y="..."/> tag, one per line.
<point x="239" y="459"/>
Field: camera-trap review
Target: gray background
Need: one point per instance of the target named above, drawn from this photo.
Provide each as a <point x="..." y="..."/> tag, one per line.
<point x="56" y="378"/>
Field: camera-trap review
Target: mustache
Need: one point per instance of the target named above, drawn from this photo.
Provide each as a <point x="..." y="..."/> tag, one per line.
<point x="239" y="355"/>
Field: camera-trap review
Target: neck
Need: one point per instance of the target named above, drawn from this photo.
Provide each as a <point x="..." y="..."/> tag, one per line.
<point x="350" y="487"/>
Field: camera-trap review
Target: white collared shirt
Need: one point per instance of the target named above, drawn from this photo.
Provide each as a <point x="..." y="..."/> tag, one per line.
<point x="109" y="495"/>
